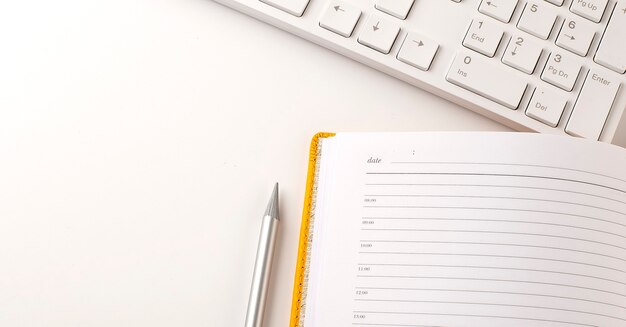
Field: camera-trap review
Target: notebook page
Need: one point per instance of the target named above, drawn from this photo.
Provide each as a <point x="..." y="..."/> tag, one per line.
<point x="470" y="229"/>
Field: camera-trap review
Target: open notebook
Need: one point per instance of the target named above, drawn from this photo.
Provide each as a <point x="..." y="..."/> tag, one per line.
<point x="462" y="229"/>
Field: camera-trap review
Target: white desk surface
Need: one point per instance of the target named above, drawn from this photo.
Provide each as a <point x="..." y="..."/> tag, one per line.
<point x="139" y="141"/>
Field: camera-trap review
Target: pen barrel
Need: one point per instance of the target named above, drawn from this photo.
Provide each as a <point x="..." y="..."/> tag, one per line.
<point x="261" y="277"/>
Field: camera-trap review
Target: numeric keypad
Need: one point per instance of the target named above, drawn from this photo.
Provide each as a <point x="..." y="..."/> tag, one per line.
<point x="576" y="36"/>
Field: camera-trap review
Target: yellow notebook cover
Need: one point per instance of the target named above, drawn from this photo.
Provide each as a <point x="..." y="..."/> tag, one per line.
<point x="303" y="243"/>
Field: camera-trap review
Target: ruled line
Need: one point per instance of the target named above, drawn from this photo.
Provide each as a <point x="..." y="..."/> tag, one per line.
<point x="490" y="292"/>
<point x="493" y="256"/>
<point x="474" y="316"/>
<point x="494" y="185"/>
<point x="490" y="267"/>
<point x="501" y="175"/>
<point x="494" y="197"/>
<point x="494" y="304"/>
<point x="509" y="164"/>
<point x="489" y="232"/>
<point x="534" y="201"/>
<point x="498" y="244"/>
<point x="492" y="280"/>
<point x="506" y="209"/>
<point x="496" y="220"/>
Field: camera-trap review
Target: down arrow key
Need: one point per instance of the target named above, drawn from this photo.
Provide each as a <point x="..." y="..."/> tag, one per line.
<point x="379" y="34"/>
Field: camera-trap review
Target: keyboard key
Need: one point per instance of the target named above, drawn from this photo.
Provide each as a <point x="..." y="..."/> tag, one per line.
<point x="590" y="9"/>
<point x="522" y="54"/>
<point x="538" y="19"/>
<point x="561" y="71"/>
<point x="501" y="10"/>
<point x="476" y="74"/>
<point x="379" y="34"/>
<point x="546" y="107"/>
<point x="340" y="18"/>
<point x="294" y="7"/>
<point x="556" y="2"/>
<point x="396" y="8"/>
<point x="418" y="51"/>
<point x="483" y="36"/>
<point x="593" y="106"/>
<point x="611" y="52"/>
<point x="576" y="36"/>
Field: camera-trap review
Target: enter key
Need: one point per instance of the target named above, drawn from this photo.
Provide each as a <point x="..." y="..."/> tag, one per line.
<point x="593" y="105"/>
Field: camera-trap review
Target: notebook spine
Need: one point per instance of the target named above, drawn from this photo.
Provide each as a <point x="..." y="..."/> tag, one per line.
<point x="306" y="232"/>
<point x="307" y="263"/>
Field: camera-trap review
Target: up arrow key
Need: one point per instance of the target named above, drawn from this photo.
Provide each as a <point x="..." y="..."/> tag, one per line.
<point x="338" y="8"/>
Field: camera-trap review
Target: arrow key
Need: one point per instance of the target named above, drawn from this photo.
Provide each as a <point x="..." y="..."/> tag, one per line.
<point x="340" y="18"/>
<point x="397" y="8"/>
<point x="522" y="54"/>
<point x="379" y="34"/>
<point x="501" y="10"/>
<point x="576" y="36"/>
<point x="418" y="51"/>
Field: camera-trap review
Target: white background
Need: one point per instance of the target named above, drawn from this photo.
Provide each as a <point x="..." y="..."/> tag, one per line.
<point x="139" y="141"/>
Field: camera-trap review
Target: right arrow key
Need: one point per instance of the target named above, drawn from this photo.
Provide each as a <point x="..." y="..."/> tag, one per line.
<point x="418" y="51"/>
<point x="576" y="36"/>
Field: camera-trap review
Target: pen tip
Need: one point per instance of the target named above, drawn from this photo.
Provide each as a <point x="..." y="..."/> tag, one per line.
<point x="272" y="206"/>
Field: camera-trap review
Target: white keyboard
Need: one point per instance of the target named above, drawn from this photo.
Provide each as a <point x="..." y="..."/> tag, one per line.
<point x="551" y="66"/>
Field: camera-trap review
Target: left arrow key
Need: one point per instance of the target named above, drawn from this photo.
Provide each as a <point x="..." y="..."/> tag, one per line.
<point x="340" y="18"/>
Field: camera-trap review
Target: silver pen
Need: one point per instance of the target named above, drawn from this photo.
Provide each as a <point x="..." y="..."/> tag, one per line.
<point x="263" y="263"/>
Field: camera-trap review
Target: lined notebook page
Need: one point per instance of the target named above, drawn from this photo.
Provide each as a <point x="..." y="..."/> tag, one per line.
<point x="468" y="229"/>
